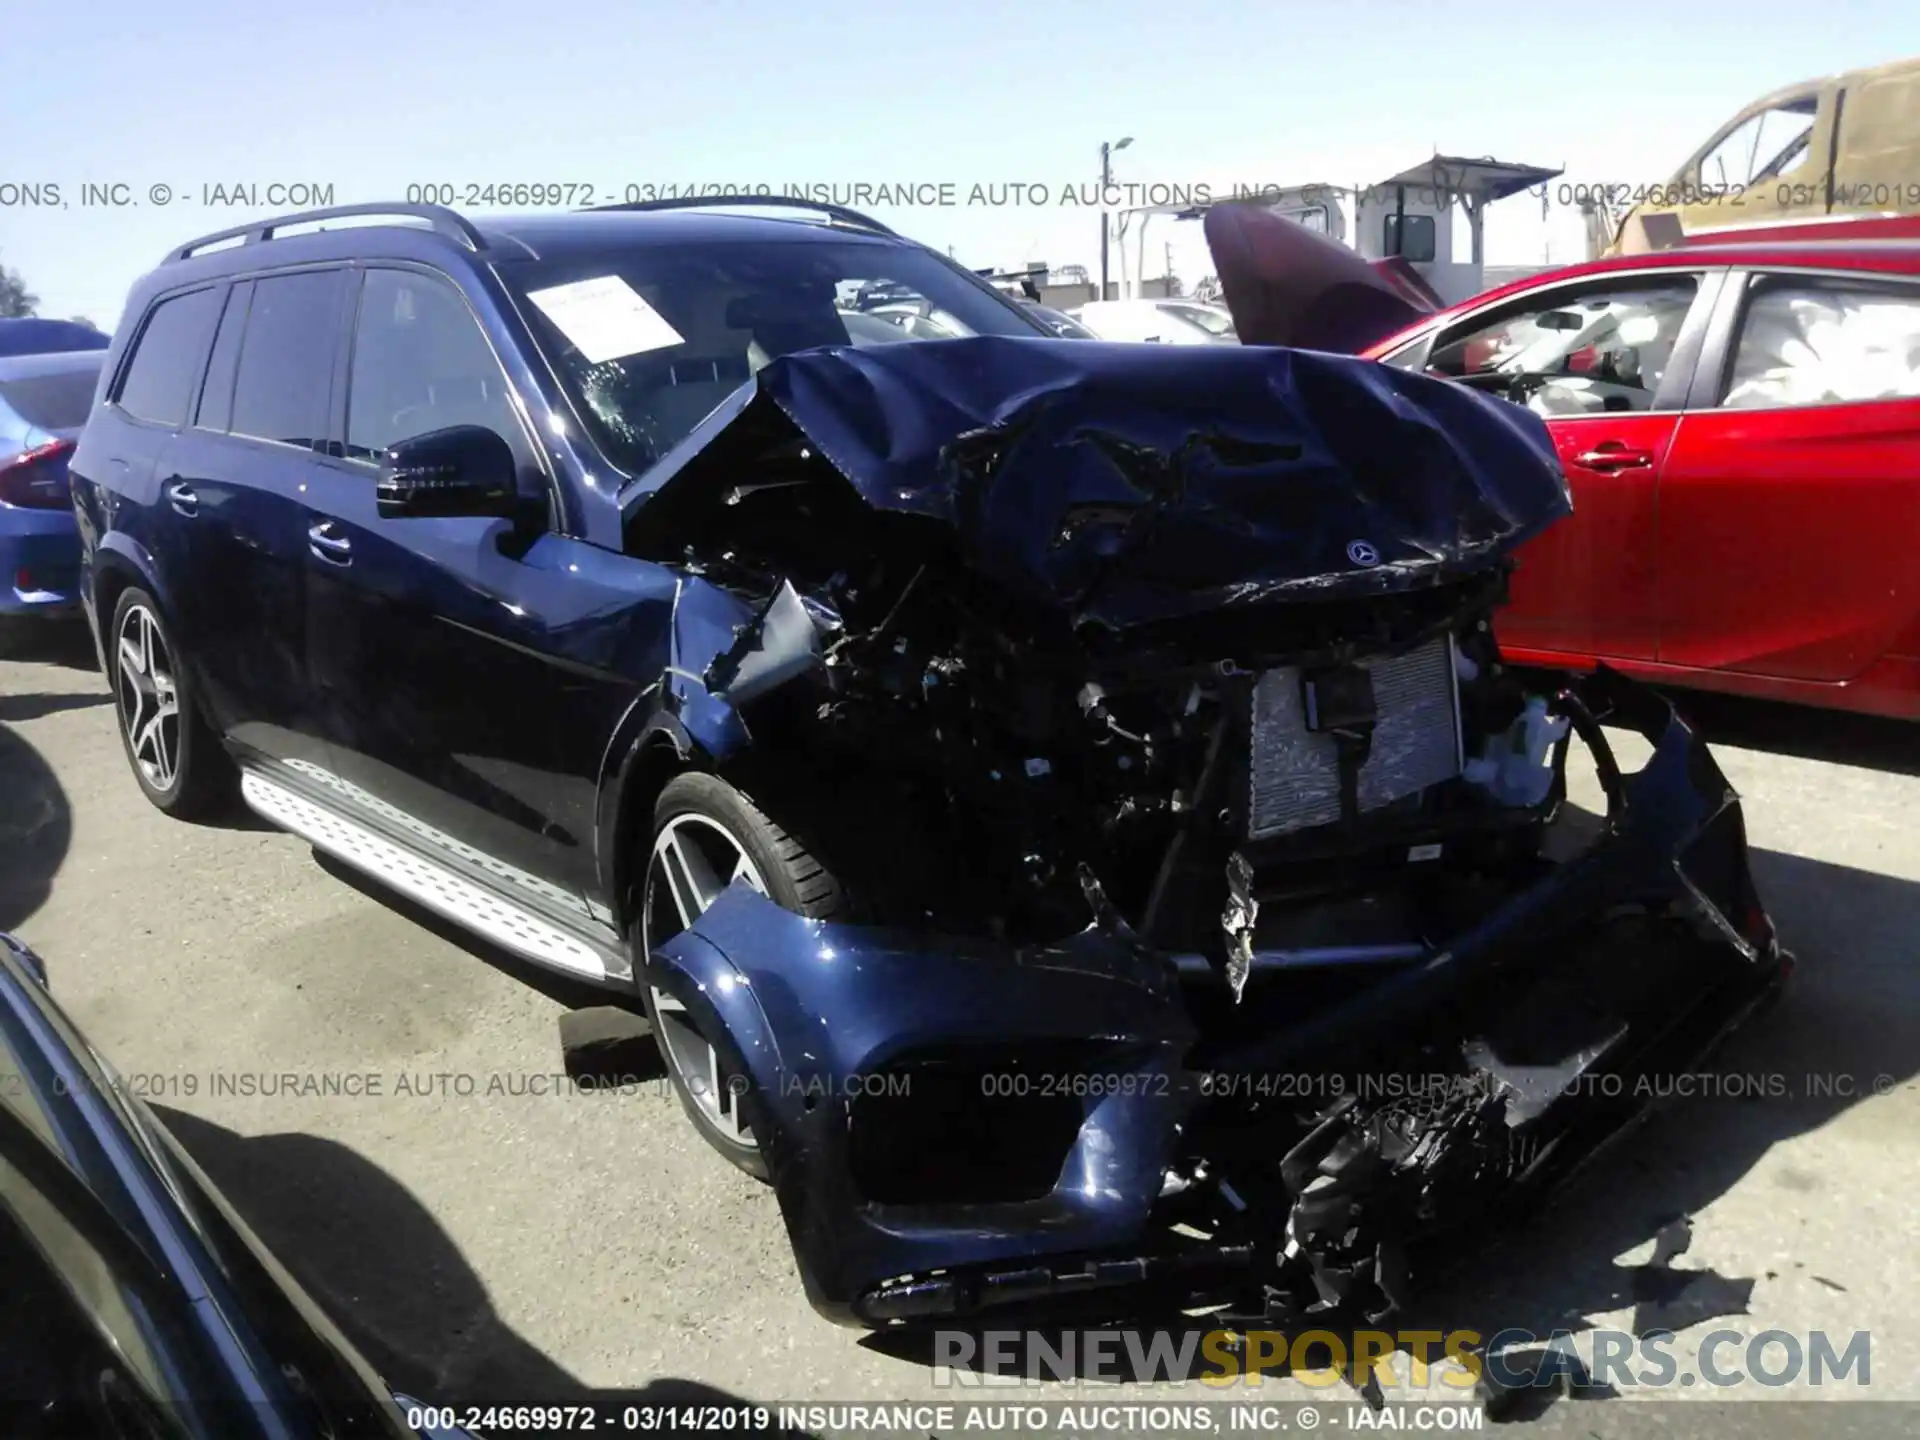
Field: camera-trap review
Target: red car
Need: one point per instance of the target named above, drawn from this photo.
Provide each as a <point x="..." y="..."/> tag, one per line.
<point x="1740" y="428"/>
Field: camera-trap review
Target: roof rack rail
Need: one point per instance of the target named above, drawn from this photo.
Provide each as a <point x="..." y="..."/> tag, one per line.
<point x="444" y="221"/>
<point x="778" y="202"/>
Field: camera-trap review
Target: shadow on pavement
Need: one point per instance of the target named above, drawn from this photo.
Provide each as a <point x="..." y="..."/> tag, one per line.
<point x="1847" y="1028"/>
<point x="36" y="828"/>
<point x="562" y="989"/>
<point x="65" y="642"/>
<point x="387" y="1274"/>
<point x="15" y="709"/>
<point x="1835" y="736"/>
<point x="232" y="813"/>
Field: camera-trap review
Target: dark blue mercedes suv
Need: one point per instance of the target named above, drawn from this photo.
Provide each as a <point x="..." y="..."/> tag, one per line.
<point x="1022" y="778"/>
<point x="356" y="502"/>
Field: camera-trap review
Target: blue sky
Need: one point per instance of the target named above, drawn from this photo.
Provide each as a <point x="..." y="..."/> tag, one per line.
<point x="370" y="97"/>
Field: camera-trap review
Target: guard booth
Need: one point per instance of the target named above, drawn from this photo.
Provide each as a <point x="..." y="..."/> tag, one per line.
<point x="1409" y="216"/>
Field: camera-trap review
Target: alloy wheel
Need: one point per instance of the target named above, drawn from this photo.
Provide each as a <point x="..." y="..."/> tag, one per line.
<point x="149" y="699"/>
<point x="694" y="860"/>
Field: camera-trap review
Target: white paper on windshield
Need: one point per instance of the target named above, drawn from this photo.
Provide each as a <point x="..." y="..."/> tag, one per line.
<point x="605" y="318"/>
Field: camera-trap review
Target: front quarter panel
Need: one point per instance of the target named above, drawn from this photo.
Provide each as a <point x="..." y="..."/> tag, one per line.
<point x="820" y="1012"/>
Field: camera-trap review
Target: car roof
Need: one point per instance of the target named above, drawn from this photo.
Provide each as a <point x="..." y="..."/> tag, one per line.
<point x="382" y="232"/>
<point x="554" y="234"/>
<point x="1894" y="256"/>
<point x="395" y="231"/>
<point x="59" y="362"/>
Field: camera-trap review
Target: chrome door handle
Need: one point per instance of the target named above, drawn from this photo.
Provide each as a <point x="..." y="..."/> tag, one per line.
<point x="334" y="549"/>
<point x="1603" y="459"/>
<point x="181" y="497"/>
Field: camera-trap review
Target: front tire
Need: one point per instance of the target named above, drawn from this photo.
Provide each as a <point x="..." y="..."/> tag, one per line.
<point x="707" y="835"/>
<point x="175" y="756"/>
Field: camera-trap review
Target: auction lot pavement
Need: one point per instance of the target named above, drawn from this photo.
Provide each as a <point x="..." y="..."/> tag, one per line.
<point x="557" y="1243"/>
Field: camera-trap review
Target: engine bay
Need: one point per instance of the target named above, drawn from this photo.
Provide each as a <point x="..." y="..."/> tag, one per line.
<point x="1336" y="780"/>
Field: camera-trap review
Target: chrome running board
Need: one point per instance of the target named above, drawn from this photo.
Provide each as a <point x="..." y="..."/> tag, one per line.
<point x="438" y="888"/>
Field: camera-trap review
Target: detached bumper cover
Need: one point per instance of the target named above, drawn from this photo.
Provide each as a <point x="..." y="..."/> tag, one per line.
<point x="840" y="1027"/>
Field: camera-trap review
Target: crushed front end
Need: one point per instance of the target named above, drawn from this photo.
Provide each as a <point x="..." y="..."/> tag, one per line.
<point x="1214" y="946"/>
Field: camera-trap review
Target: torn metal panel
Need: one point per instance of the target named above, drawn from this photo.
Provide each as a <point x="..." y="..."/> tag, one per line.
<point x="1242" y="915"/>
<point x="781" y="644"/>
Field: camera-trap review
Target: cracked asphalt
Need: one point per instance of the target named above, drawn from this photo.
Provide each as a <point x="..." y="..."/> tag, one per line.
<point x="375" y="1093"/>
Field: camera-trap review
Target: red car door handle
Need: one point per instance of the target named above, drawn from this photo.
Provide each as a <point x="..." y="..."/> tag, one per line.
<point x="1607" y="458"/>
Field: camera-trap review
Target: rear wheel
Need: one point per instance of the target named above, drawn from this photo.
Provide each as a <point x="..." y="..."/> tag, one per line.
<point x="706" y="836"/>
<point x="175" y="755"/>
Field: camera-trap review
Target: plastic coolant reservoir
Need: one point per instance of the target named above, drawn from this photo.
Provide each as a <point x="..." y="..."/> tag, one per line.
<point x="1516" y="766"/>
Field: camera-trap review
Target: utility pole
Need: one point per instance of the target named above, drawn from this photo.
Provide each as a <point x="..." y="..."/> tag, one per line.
<point x="1106" y="180"/>
<point x="1169" y="271"/>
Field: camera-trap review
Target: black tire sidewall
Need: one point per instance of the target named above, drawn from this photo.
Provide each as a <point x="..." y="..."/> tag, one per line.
<point x="698" y="793"/>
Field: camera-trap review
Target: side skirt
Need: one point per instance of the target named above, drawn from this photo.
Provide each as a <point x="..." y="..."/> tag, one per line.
<point x="431" y="883"/>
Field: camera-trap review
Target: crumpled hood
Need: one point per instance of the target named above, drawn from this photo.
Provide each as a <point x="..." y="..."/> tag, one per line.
<point x="1287" y="285"/>
<point x="1124" y="484"/>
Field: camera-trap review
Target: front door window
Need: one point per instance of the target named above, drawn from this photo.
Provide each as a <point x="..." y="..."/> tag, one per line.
<point x="1580" y="352"/>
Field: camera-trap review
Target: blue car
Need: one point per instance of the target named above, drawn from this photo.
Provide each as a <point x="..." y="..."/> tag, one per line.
<point x="33" y="336"/>
<point x="44" y="401"/>
<point x="1029" y="783"/>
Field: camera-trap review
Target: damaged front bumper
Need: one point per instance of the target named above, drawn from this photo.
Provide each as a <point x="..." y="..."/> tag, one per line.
<point x="954" y="1127"/>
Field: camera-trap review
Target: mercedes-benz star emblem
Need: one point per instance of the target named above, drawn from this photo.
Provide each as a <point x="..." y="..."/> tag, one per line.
<point x="1363" y="554"/>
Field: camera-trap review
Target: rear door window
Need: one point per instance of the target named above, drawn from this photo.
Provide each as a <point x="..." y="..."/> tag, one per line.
<point x="169" y="356"/>
<point x="216" y="396"/>
<point x="284" y="387"/>
<point x="1807" y="340"/>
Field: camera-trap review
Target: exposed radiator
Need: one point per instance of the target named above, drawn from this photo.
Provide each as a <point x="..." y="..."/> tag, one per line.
<point x="1295" y="773"/>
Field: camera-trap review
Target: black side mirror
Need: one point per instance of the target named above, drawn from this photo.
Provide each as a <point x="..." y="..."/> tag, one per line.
<point x="461" y="470"/>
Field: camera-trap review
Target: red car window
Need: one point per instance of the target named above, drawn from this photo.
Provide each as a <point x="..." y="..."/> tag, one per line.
<point x="1826" y="342"/>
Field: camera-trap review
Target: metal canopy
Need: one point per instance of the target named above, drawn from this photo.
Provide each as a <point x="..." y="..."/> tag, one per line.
<point x="1486" y="179"/>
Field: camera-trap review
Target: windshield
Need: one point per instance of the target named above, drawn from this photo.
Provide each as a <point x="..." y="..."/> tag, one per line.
<point x="911" y="320"/>
<point x="60" y="401"/>
<point x="1214" y="322"/>
<point x="648" y="340"/>
<point x="1061" y="324"/>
